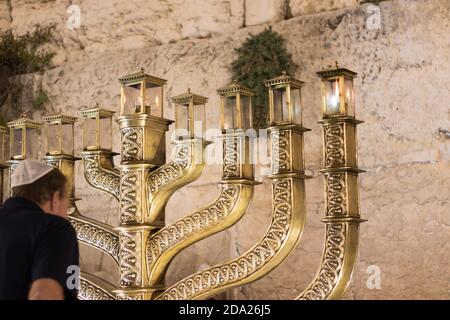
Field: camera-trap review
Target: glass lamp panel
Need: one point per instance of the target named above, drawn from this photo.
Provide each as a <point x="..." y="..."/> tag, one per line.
<point x="349" y="97"/>
<point x="199" y="124"/>
<point x="131" y="99"/>
<point x="7" y="151"/>
<point x="90" y="134"/>
<point x="153" y="101"/>
<point x="17" y="142"/>
<point x="67" y="138"/>
<point x="246" y="112"/>
<point x="229" y="113"/>
<point x="4" y="148"/>
<point x="181" y="120"/>
<point x="53" y="138"/>
<point x="105" y="133"/>
<point x="32" y="143"/>
<point x="332" y="97"/>
<point x="296" y="103"/>
<point x="280" y="106"/>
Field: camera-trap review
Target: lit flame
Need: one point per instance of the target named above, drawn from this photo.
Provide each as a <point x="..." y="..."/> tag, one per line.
<point x="333" y="99"/>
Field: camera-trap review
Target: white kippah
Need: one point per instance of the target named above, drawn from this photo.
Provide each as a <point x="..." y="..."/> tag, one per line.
<point x="28" y="171"/>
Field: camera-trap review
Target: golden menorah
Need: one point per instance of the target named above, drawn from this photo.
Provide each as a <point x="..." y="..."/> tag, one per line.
<point x="142" y="245"/>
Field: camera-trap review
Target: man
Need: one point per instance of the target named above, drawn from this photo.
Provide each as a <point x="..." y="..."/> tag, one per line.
<point x="38" y="245"/>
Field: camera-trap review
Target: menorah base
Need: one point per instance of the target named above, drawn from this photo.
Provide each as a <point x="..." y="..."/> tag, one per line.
<point x="138" y="293"/>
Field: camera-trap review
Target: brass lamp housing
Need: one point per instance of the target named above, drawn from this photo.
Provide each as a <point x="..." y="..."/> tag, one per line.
<point x="236" y="107"/>
<point x="100" y="122"/>
<point x="189" y="107"/>
<point x="141" y="89"/>
<point x="24" y="139"/>
<point x="337" y="92"/>
<point x="60" y="142"/>
<point x="4" y="149"/>
<point x="285" y="105"/>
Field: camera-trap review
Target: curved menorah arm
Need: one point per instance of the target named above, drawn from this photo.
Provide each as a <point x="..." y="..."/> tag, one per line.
<point x="95" y="288"/>
<point x="282" y="236"/>
<point x="288" y="219"/>
<point x="187" y="165"/>
<point x="342" y="210"/>
<point x="338" y="260"/>
<point x="99" y="171"/>
<point x="222" y="213"/>
<point x="236" y="194"/>
<point x="95" y="234"/>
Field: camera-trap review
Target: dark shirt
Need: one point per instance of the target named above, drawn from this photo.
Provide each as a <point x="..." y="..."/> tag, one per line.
<point x="35" y="245"/>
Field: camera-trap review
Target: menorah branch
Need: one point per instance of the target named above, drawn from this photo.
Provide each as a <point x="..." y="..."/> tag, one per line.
<point x="96" y="234"/>
<point x="342" y="210"/>
<point x="281" y="237"/>
<point x="225" y="211"/>
<point x="100" y="173"/>
<point x="338" y="261"/>
<point x="187" y="165"/>
<point x="95" y="288"/>
<point x="236" y="195"/>
<point x="288" y="218"/>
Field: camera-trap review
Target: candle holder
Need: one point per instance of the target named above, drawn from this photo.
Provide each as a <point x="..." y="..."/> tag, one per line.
<point x="143" y="246"/>
<point x="24" y="143"/>
<point x="342" y="218"/>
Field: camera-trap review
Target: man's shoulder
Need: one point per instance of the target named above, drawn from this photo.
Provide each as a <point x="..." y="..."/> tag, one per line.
<point x="57" y="224"/>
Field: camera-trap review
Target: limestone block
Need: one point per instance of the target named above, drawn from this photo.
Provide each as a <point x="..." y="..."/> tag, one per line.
<point x="264" y="11"/>
<point x="5" y="16"/>
<point x="301" y="7"/>
<point x="126" y="25"/>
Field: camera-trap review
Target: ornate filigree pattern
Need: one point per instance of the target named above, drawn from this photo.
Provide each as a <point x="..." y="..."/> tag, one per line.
<point x="130" y="208"/>
<point x="165" y="175"/>
<point x="99" y="177"/>
<point x="187" y="227"/>
<point x="130" y="258"/>
<point x="332" y="261"/>
<point x="335" y="191"/>
<point x="132" y="144"/>
<point x="52" y="162"/>
<point x="91" y="291"/>
<point x="231" y="150"/>
<point x="334" y="144"/>
<point x="250" y="262"/>
<point x="90" y="233"/>
<point x="128" y="296"/>
<point x="281" y="159"/>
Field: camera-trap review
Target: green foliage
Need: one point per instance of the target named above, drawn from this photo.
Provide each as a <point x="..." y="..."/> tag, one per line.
<point x="22" y="55"/>
<point x="261" y="57"/>
<point x="41" y="99"/>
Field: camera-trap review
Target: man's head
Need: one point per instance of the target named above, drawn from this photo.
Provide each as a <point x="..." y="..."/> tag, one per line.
<point x="42" y="184"/>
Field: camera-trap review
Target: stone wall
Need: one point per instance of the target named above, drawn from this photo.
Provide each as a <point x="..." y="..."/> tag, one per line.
<point x="5" y="16"/>
<point x="402" y="95"/>
<point x="126" y="25"/>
